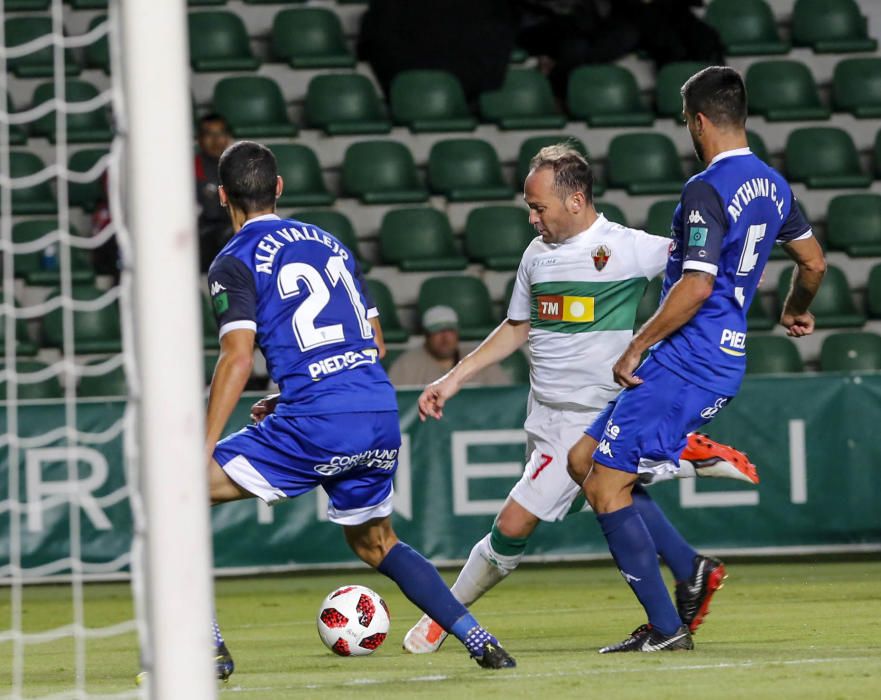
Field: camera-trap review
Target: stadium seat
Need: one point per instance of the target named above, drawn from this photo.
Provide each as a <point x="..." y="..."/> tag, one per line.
<point x="830" y="26"/>
<point x="24" y="347"/>
<point x="524" y="101"/>
<point x="392" y="330"/>
<point x="853" y="224"/>
<point x="253" y="106"/>
<point x="747" y="27"/>
<point x="877" y="155"/>
<point x="219" y="42"/>
<point x="345" y="103"/>
<point x="17" y="134"/>
<point x="873" y="292"/>
<point x="660" y="217"/>
<point x="644" y="163"/>
<point x="757" y="317"/>
<point x="97" y="54"/>
<point x="466" y="170"/>
<point x="517" y="366"/>
<point x="496" y="236"/>
<point x="310" y="37"/>
<point x="856" y="87"/>
<point x="41" y="267"/>
<point x="833" y="306"/>
<point x="338" y="225"/>
<point x="772" y="354"/>
<point x="851" y="352"/>
<point x="112" y="383"/>
<point x="419" y="240"/>
<point x="531" y="146"/>
<point x="36" y="199"/>
<point x="669" y="82"/>
<point x="48" y="388"/>
<point x="26" y="5"/>
<point x="39" y="64"/>
<point x="88" y="127"/>
<point x="381" y="172"/>
<point x="210" y="339"/>
<point x="87" y="195"/>
<point x="301" y="173"/>
<point x="612" y="212"/>
<point x="89" y="4"/>
<point x="94" y="331"/>
<point x="468" y="296"/>
<point x="651" y="300"/>
<point x="606" y="95"/>
<point x="757" y="146"/>
<point x="823" y="157"/>
<point x="783" y="91"/>
<point x="430" y="100"/>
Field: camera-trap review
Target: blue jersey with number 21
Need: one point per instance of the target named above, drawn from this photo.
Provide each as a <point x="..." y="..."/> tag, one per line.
<point x="302" y="292"/>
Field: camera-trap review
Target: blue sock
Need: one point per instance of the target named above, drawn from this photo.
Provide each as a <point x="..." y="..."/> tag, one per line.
<point x="422" y="584"/>
<point x="634" y="552"/>
<point x="672" y="547"/>
<point x="218" y="637"/>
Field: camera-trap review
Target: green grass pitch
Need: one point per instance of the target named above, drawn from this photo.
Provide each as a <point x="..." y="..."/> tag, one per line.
<point x="782" y="630"/>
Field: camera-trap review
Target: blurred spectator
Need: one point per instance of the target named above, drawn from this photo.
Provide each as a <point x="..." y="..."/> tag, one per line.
<point x="439" y="354"/>
<point x="214" y="225"/>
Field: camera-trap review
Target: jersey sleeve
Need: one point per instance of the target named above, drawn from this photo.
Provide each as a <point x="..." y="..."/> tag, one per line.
<point x="369" y="304"/>
<point x="705" y="223"/>
<point x="651" y="253"/>
<point x="233" y="295"/>
<point x="795" y="227"/>
<point x="519" y="305"/>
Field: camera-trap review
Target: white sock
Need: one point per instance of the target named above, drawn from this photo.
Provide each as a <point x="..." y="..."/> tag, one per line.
<point x="483" y="570"/>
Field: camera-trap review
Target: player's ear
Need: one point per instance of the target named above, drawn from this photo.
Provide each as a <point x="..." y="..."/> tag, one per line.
<point x="279" y="186"/>
<point x="224" y="200"/>
<point x="576" y="202"/>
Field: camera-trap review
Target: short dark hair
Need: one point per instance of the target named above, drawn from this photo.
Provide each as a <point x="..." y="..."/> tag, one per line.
<point x="212" y="117"/>
<point x="248" y="173"/>
<point x="718" y="92"/>
<point x="572" y="172"/>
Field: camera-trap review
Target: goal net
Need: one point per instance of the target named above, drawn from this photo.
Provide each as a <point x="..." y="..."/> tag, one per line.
<point x="101" y="455"/>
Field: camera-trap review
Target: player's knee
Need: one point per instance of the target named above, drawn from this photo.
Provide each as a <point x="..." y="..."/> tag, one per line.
<point x="515" y="522"/>
<point x="371" y="541"/>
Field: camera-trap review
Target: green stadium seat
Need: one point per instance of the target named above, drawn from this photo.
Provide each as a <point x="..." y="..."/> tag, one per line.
<point x="853" y="224"/>
<point x="36" y="199"/>
<point x="757" y="317"/>
<point x="280" y="2"/>
<point x="468" y="296"/>
<point x="26" y="5"/>
<point x="757" y="146"/>
<point x="41" y="268"/>
<point x="89" y="4"/>
<point x="210" y="334"/>
<point x="430" y="100"/>
<point x="496" y="236"/>
<point x="419" y="240"/>
<point x="97" y="54"/>
<point x="606" y="95"/>
<point x="651" y="300"/>
<point x="851" y="352"/>
<point x="41" y="63"/>
<point x="301" y="173"/>
<point x="830" y="26"/>
<point x="392" y="330"/>
<point x="24" y="347"/>
<point x="253" y="106"/>
<point x="48" y="388"/>
<point x="783" y="91"/>
<point x="524" y="101"/>
<point x="517" y="366"/>
<point x="824" y="157"/>
<point x="341" y="103"/>
<point x="877" y="155"/>
<point x="337" y="224"/>
<point x="856" y="87"/>
<point x="219" y="42"/>
<point x="772" y="354"/>
<point x="833" y="306"/>
<point x="94" y="332"/>
<point x="660" y="217"/>
<point x="88" y="127"/>
<point x="87" y="195"/>
<point x="310" y="37"/>
<point x="669" y="82"/>
<point x="17" y="134"/>
<point x="531" y="146"/>
<point x="873" y="292"/>
<point x="381" y="172"/>
<point x="205" y="3"/>
<point x="747" y="27"/>
<point x="612" y="212"/>
<point x="112" y="383"/>
<point x="509" y="290"/>
<point x="644" y="163"/>
<point x="466" y="170"/>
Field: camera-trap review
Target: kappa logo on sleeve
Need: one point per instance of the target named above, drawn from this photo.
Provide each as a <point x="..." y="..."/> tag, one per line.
<point x="217" y="288"/>
<point x="694" y="217"/>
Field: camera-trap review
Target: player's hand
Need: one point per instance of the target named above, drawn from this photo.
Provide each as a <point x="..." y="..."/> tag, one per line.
<point x="625" y="366"/>
<point x="798" y="325"/>
<point x="264" y="407"/>
<point x="434" y="396"/>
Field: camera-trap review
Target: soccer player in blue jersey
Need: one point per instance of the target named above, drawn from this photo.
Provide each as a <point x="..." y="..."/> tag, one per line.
<point x="728" y="219"/>
<point x="296" y="291"/>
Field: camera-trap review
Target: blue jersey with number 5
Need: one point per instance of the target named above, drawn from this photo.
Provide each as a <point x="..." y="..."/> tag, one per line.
<point x="727" y="222"/>
<point x="302" y="292"/>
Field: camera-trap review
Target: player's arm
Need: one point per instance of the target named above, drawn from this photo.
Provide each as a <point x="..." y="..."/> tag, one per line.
<point x="809" y="271"/>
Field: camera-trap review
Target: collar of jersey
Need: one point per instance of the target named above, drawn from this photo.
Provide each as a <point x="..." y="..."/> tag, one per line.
<point x="595" y="226"/>
<point x="729" y="154"/>
<point x="262" y="217"/>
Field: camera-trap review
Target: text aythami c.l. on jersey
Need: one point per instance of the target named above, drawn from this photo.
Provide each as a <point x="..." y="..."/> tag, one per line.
<point x="727" y="222"/>
<point x="302" y="292"/>
<point x="580" y="297"/>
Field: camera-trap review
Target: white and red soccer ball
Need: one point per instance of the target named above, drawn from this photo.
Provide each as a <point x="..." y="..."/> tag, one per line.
<point x="353" y="621"/>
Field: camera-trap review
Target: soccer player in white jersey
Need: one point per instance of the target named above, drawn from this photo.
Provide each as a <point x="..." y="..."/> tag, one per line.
<point x="574" y="301"/>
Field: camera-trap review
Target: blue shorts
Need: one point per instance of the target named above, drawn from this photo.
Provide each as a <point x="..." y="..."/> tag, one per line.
<point x="352" y="456"/>
<point x="645" y="429"/>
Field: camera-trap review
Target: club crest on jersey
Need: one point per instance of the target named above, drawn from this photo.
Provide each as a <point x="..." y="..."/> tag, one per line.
<point x="601" y="255"/>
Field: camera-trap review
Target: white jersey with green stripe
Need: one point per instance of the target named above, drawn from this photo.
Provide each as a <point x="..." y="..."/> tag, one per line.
<point x="580" y="298"/>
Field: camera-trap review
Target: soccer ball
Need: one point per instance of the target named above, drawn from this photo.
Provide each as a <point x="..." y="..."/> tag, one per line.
<point x="353" y="621"/>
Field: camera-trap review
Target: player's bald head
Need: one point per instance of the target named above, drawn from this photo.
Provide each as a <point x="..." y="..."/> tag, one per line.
<point x="572" y="172"/>
<point x="249" y="175"/>
<point x="717" y="92"/>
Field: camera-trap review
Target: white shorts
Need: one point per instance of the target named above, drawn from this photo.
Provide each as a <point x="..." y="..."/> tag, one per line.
<point x="546" y="489"/>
